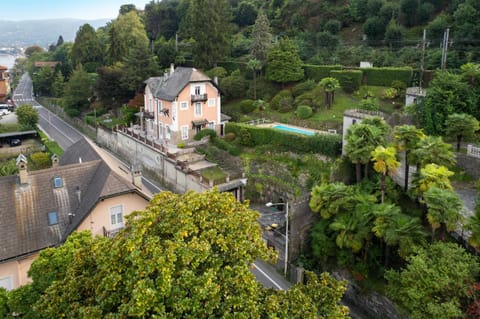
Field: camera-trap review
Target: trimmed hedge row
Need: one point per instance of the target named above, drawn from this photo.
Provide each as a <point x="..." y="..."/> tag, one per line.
<point x="385" y="76"/>
<point x="350" y="80"/>
<point x="249" y="135"/>
<point x="318" y="72"/>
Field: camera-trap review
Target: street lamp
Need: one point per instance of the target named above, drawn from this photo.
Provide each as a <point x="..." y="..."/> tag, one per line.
<point x="270" y="204"/>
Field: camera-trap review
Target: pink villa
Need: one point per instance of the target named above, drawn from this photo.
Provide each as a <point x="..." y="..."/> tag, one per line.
<point x="180" y="104"/>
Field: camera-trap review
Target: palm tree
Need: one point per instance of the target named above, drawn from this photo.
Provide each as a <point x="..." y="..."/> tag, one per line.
<point x="433" y="150"/>
<point x="385" y="162"/>
<point x="362" y="139"/>
<point x="461" y="126"/>
<point x="406" y="138"/>
<point x="329" y="85"/>
<point x="432" y="175"/>
<point x="254" y="65"/>
<point x="444" y="207"/>
<point x="396" y="229"/>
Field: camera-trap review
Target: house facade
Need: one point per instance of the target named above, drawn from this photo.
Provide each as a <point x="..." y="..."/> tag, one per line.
<point x="40" y="209"/>
<point x="180" y="104"/>
<point x="4" y="83"/>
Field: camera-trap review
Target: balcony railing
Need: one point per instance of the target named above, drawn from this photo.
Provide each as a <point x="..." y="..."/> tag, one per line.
<point x="148" y="115"/>
<point x="199" y="97"/>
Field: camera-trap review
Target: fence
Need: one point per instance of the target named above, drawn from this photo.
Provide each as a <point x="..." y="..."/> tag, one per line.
<point x="473" y="151"/>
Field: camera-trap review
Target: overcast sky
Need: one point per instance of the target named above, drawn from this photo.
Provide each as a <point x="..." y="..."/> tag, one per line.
<point x="18" y="10"/>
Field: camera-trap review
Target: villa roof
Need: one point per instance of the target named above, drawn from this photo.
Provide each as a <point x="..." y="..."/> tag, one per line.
<point x="169" y="86"/>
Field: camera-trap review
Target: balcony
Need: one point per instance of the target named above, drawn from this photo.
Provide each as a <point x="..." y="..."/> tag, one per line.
<point x="199" y="97"/>
<point x="148" y="115"/>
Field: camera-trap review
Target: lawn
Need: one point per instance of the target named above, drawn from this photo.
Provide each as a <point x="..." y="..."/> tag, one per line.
<point x="214" y="173"/>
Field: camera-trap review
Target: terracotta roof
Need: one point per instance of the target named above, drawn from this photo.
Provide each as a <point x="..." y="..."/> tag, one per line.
<point x="169" y="86"/>
<point x="24" y="209"/>
<point x="41" y="64"/>
<point x="3" y="67"/>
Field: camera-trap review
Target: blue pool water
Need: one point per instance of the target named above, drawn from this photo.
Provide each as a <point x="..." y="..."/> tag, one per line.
<point x="293" y="129"/>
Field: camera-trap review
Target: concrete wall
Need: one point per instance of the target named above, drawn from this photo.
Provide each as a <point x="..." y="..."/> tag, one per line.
<point x="152" y="161"/>
<point x="469" y="164"/>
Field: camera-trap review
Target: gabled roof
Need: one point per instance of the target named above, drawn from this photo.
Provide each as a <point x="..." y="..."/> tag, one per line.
<point x="168" y="87"/>
<point x="80" y="151"/>
<point x="24" y="209"/>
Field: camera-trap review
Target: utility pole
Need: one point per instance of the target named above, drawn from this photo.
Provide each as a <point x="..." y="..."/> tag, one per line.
<point x="422" y="69"/>
<point x="445" y="49"/>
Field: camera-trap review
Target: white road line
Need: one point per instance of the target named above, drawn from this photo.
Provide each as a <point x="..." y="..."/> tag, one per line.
<point x="268" y="277"/>
<point x="50" y="124"/>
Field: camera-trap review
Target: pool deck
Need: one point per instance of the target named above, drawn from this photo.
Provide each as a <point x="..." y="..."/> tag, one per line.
<point x="271" y="125"/>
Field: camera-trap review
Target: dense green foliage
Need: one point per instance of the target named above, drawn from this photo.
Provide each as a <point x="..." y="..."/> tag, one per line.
<point x="350" y="80"/>
<point x="27" y="117"/>
<point x="249" y="135"/>
<point x="435" y="282"/>
<point x="160" y="267"/>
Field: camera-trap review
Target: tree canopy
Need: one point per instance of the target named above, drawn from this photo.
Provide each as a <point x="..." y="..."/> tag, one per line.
<point x="184" y="256"/>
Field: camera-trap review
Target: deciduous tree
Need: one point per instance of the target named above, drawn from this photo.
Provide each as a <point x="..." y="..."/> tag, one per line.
<point x="27" y="116"/>
<point x="184" y="256"/>
<point x="435" y="282"/>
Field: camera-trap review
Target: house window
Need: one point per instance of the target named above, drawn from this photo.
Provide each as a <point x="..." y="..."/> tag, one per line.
<point x="52" y="218"/>
<point x="116" y="216"/>
<point x="167" y="134"/>
<point x="57" y="182"/>
<point x="160" y="128"/>
<point x="159" y="107"/>
<point x="197" y="90"/>
<point x="183" y="106"/>
<point x="211" y="102"/>
<point x="184" y="132"/>
<point x="211" y="125"/>
<point x="6" y="282"/>
<point x="198" y="109"/>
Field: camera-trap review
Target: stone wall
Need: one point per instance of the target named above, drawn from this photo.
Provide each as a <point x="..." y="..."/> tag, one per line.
<point x="152" y="162"/>
<point x="469" y="164"/>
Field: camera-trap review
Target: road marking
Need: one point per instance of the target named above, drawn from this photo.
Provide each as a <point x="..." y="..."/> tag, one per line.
<point x="49" y="123"/>
<point x="268" y="277"/>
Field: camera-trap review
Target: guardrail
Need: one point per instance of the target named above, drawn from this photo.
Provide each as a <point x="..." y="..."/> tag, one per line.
<point x="473" y="151"/>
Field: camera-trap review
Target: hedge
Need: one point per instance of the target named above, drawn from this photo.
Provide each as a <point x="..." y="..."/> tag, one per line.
<point x="386" y="75"/>
<point x="350" y="80"/>
<point x="318" y="72"/>
<point x="326" y="144"/>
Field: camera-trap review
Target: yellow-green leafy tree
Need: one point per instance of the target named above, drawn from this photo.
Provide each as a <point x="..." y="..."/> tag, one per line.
<point x="385" y="162"/>
<point x="185" y="256"/>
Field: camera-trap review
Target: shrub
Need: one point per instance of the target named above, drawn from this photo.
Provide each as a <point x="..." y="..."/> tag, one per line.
<point x="303" y="87"/>
<point x="230" y="137"/>
<point x="224" y="145"/>
<point x="333" y="26"/>
<point x="390" y="94"/>
<point x="275" y="102"/>
<point x="40" y="160"/>
<point x="399" y="85"/>
<point x="205" y="132"/>
<point x="304" y="111"/>
<point x="234" y="85"/>
<point x="247" y="106"/>
<point x="369" y="104"/>
<point x="286" y="105"/>
<point x="181" y="145"/>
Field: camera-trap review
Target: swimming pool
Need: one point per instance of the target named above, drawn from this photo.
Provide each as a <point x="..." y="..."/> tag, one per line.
<point x="293" y="129"/>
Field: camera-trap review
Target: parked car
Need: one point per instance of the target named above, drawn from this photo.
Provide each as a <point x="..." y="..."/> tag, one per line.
<point x="15" y="142"/>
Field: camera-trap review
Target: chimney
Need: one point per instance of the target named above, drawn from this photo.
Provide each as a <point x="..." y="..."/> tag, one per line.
<point x="79" y="194"/>
<point x="215" y="80"/>
<point x="55" y="160"/>
<point x="137" y="178"/>
<point x="172" y="68"/>
<point x="22" y="169"/>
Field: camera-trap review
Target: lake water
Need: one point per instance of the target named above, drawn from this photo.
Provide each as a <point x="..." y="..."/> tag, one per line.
<point x="7" y="60"/>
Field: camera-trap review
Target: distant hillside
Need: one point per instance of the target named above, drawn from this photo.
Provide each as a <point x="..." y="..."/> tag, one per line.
<point x="41" y="32"/>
